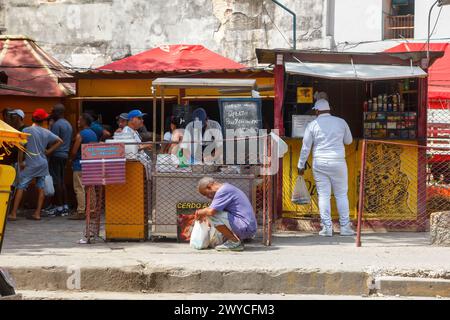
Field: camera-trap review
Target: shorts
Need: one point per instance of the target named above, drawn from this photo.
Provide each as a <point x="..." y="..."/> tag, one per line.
<point x="57" y="169"/>
<point x="24" y="182"/>
<point x="220" y="219"/>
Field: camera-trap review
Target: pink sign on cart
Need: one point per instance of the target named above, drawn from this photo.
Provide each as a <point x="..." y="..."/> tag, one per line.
<point x="103" y="164"/>
<point x="102" y="151"/>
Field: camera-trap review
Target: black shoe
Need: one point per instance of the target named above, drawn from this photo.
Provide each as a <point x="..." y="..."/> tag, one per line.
<point x="58" y="213"/>
<point x="49" y="209"/>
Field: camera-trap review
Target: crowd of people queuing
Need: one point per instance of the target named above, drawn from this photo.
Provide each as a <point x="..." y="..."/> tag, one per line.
<point x="52" y="146"/>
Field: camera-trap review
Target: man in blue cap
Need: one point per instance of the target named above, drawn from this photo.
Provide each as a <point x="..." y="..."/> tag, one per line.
<point x="209" y="128"/>
<point x="135" y="122"/>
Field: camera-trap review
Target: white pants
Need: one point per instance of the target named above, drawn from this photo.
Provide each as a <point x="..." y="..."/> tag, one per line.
<point x="332" y="175"/>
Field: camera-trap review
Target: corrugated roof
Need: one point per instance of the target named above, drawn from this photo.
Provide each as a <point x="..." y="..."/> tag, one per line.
<point x="31" y="68"/>
<point x="170" y="58"/>
<point x="96" y="71"/>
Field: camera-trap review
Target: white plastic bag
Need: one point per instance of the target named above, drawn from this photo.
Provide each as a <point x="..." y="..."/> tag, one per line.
<point x="300" y="194"/>
<point x="200" y="235"/>
<point x="49" y="189"/>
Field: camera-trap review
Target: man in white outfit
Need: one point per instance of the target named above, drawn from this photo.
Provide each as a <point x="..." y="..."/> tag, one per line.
<point x="326" y="135"/>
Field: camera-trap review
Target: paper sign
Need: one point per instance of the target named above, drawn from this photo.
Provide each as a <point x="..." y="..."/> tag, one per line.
<point x="305" y="95"/>
<point x="299" y="124"/>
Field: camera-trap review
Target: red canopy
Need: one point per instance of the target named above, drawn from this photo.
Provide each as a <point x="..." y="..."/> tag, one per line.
<point x="29" y="67"/>
<point x="174" y="58"/>
<point x="439" y="72"/>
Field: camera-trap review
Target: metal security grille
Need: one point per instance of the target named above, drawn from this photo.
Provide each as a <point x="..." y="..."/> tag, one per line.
<point x="169" y="181"/>
<point x="401" y="185"/>
<point x="174" y="183"/>
<point x="438" y="123"/>
<point x="94" y="210"/>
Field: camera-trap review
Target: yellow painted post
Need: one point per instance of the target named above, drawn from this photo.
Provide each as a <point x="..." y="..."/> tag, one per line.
<point x="7" y="176"/>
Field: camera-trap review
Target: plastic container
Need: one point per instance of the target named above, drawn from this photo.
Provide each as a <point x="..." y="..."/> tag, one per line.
<point x="131" y="150"/>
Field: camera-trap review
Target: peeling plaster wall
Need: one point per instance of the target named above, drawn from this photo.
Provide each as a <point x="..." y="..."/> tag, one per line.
<point x="91" y="33"/>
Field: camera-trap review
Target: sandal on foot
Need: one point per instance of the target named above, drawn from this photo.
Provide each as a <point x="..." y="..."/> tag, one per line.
<point x="33" y="218"/>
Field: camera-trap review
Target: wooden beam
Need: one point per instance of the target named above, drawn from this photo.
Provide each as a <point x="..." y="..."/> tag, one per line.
<point x="123" y="98"/>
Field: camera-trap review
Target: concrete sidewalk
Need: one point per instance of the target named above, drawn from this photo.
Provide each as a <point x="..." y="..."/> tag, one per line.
<point x="38" y="254"/>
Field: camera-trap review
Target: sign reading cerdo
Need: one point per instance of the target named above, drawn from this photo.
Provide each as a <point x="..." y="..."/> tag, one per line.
<point x="102" y="151"/>
<point x="240" y="113"/>
<point x="186" y="218"/>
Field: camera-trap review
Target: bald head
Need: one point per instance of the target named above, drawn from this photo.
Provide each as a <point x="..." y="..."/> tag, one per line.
<point x="208" y="187"/>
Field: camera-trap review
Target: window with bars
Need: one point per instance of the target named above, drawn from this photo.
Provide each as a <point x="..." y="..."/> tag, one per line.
<point x="399" y="20"/>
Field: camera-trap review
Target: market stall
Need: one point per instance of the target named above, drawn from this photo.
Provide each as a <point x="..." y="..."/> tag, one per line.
<point x="381" y="96"/>
<point x="124" y="85"/>
<point x="174" y="186"/>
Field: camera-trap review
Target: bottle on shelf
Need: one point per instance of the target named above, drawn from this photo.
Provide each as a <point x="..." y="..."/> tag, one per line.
<point x="375" y="104"/>
<point x="389" y="103"/>
<point x="406" y="85"/>
<point x="395" y="103"/>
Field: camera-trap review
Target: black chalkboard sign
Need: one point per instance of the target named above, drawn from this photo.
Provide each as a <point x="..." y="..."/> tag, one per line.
<point x="240" y="113"/>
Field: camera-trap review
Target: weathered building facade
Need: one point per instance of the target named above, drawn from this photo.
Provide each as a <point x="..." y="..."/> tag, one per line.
<point x="91" y="33"/>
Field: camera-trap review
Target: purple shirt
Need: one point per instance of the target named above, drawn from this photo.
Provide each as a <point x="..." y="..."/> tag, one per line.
<point x="240" y="211"/>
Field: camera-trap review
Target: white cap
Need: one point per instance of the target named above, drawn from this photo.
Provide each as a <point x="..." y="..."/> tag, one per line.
<point x="18" y="112"/>
<point x="321" y="105"/>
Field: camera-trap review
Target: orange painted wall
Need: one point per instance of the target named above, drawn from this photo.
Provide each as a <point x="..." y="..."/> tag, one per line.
<point x="141" y="88"/>
<point x="28" y="104"/>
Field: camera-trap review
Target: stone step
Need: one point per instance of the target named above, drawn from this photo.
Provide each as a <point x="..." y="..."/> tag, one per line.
<point x="135" y="280"/>
<point x="101" y="295"/>
<point x="405" y="286"/>
<point x="182" y="281"/>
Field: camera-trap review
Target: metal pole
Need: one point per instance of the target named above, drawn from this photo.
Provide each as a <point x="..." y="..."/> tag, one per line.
<point x="294" y="23"/>
<point x="88" y="213"/>
<point x="154" y="114"/>
<point x="271" y="195"/>
<point x="361" y="193"/>
<point x="162" y="113"/>
<point x="264" y="192"/>
<point x="429" y="35"/>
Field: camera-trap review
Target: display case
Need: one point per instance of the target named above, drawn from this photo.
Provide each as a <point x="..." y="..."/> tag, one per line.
<point x="390" y="110"/>
<point x="390" y="125"/>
